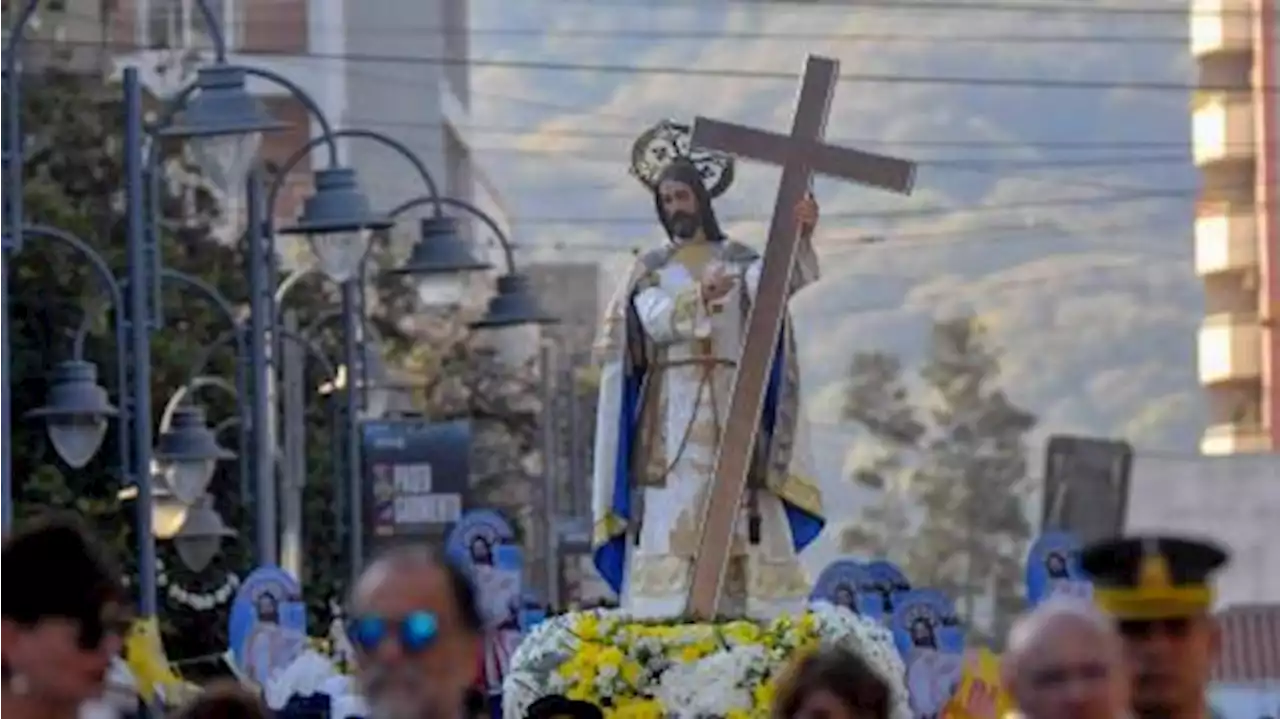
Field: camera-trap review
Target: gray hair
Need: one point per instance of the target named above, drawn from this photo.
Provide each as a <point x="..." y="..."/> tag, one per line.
<point x="1052" y="612"/>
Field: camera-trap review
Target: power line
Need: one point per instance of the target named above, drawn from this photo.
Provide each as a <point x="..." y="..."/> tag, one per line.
<point x="1115" y="198"/>
<point x="844" y="243"/>
<point x="1158" y="9"/>
<point x="732" y="35"/>
<point x="738" y="74"/>
<point x="587" y="133"/>
<point x="1173" y="10"/>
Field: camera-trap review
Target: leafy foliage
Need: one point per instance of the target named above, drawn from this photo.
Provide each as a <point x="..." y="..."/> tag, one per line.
<point x="951" y="468"/>
<point x="465" y="376"/>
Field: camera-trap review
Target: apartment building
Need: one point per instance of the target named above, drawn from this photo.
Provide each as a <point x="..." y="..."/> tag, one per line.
<point x="1237" y="237"/>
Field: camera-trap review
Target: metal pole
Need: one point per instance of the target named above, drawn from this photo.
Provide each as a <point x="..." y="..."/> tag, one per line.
<point x="577" y="507"/>
<point x="7" y="502"/>
<point x="550" y="478"/>
<point x="260" y="323"/>
<point x="293" y="465"/>
<point x="139" y="336"/>
<point x="351" y="327"/>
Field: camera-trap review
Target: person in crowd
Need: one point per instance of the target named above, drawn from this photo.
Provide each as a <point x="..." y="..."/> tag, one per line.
<point x="561" y="707"/>
<point x="224" y="700"/>
<point x="417" y="632"/>
<point x="832" y="683"/>
<point x="1065" y="660"/>
<point x="63" y="622"/>
<point x="1158" y="588"/>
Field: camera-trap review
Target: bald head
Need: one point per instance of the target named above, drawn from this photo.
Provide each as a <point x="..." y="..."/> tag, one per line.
<point x="1058" y="617"/>
<point x="1066" y="659"/>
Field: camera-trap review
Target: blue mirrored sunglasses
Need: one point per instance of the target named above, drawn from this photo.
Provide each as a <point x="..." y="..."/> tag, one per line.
<point x="415" y="632"/>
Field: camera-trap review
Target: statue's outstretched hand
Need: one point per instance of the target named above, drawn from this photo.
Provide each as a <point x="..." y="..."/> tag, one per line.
<point x="716" y="284"/>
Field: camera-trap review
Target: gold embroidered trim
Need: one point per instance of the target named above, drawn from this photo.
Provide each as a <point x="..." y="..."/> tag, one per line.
<point x="659" y="576"/>
<point x="684" y="311"/>
<point x="801" y="492"/>
<point x="607" y="528"/>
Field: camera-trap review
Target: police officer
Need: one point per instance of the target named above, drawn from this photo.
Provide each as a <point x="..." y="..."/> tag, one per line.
<point x="1159" y="590"/>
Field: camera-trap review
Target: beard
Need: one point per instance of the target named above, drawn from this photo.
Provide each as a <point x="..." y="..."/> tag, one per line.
<point x="684" y="225"/>
<point x="402" y="693"/>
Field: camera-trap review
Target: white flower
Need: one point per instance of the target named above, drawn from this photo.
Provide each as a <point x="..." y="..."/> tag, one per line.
<point x="305" y="676"/>
<point x="714" y="685"/>
<point x="871" y="641"/>
<point x="718" y="683"/>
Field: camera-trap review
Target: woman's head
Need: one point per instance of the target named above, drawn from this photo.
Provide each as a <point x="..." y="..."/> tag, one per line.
<point x="63" y="622"/>
<point x="832" y="683"/>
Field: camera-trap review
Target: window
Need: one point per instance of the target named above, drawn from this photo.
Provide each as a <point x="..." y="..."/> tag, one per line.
<point x="179" y="24"/>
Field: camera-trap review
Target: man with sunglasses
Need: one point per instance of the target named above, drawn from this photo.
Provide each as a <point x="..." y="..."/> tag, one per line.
<point x="417" y="634"/>
<point x="1158" y="589"/>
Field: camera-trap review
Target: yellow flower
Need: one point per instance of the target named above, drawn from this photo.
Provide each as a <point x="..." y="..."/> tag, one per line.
<point x="588" y="627"/>
<point x="631" y="672"/>
<point x="762" y="695"/>
<point x="611" y="657"/>
<point x="689" y="653"/>
<point x="743" y="633"/>
<point x="738" y="714"/>
<point x="639" y="708"/>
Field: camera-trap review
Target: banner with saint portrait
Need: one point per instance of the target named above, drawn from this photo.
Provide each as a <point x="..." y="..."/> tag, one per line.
<point x="886" y="581"/>
<point x="483" y="542"/>
<point x="845" y="583"/>
<point x="268" y="623"/>
<point x="1053" y="569"/>
<point x="929" y="636"/>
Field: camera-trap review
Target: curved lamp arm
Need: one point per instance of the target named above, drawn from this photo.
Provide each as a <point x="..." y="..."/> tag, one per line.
<point x="175" y="104"/>
<point x="331" y="137"/>
<point x="96" y="261"/>
<point x="508" y="251"/>
<point x="196" y="383"/>
<point x="334" y="314"/>
<point x="100" y="268"/>
<point x="287" y="284"/>
<point x="312" y="349"/>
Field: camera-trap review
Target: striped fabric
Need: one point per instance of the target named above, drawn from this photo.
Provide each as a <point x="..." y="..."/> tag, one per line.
<point x="1250" y="644"/>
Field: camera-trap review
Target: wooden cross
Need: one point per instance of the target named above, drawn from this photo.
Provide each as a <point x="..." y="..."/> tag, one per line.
<point x="801" y="154"/>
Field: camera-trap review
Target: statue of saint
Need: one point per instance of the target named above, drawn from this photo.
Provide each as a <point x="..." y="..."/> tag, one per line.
<point x="667" y="349"/>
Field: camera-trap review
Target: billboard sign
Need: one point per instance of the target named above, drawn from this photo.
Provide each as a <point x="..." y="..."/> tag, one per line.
<point x="416" y="475"/>
<point x="1086" y="487"/>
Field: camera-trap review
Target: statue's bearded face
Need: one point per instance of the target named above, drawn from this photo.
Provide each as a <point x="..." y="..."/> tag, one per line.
<point x="679" y="206"/>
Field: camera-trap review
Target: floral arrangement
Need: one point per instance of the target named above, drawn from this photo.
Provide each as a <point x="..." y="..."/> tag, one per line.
<point x="650" y="670"/>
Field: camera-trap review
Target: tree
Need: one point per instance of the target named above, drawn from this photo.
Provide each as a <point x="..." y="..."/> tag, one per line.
<point x="952" y="467"/>
<point x="465" y="378"/>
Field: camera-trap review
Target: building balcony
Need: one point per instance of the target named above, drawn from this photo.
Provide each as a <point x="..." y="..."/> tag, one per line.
<point x="1231" y="438"/>
<point x="1226" y="238"/>
<point x="1230" y="348"/>
<point x="1220" y="26"/>
<point x="1221" y="127"/>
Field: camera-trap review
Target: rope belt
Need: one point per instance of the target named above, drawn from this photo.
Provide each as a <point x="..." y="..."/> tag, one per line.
<point x="707" y="362"/>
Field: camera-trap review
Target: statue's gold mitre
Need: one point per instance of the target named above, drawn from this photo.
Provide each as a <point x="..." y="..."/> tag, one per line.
<point x="670" y="141"/>
<point x="1153" y="577"/>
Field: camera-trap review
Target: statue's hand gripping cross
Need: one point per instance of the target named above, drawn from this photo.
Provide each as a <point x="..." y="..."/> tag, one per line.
<point x="801" y="154"/>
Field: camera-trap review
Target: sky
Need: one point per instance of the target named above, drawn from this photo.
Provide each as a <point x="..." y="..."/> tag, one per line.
<point x="1054" y="196"/>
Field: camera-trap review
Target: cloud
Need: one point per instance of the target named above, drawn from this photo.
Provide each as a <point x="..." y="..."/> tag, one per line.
<point x="1087" y="285"/>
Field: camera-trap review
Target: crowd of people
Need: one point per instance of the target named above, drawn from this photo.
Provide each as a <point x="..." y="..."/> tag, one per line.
<point x="1144" y="647"/>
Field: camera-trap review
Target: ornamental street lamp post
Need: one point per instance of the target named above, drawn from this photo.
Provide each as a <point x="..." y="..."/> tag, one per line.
<point x="341" y="255"/>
